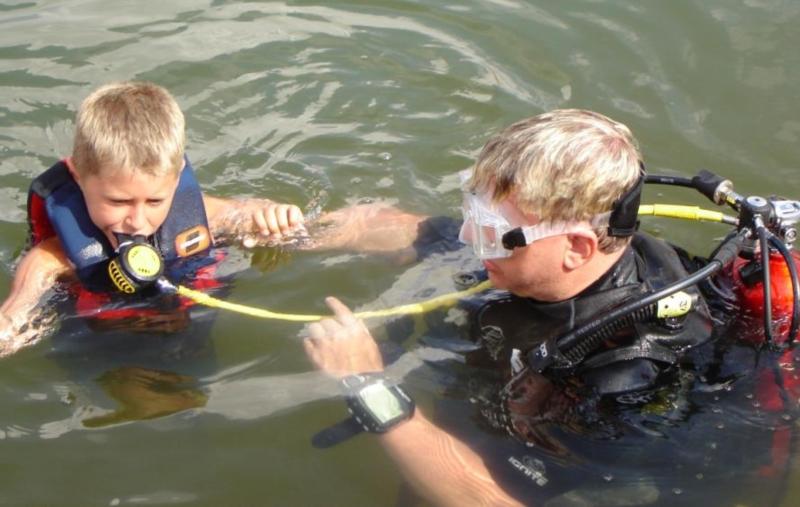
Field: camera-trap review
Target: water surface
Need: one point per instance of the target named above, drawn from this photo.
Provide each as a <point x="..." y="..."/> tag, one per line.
<point x="324" y="104"/>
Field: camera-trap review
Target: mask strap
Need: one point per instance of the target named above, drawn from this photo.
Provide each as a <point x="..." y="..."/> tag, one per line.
<point x="524" y="236"/>
<point x="623" y="221"/>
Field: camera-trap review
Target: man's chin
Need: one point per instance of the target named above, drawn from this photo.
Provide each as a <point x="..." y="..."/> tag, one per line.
<point x="498" y="281"/>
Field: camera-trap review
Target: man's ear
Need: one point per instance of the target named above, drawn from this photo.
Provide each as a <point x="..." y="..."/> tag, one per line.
<point x="581" y="247"/>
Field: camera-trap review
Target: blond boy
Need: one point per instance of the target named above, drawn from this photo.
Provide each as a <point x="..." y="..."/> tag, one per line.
<point x="126" y="169"/>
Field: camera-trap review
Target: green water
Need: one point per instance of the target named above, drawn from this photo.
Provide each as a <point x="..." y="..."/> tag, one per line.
<point x="322" y="104"/>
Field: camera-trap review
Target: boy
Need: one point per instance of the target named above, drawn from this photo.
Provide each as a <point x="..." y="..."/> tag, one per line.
<point x="127" y="178"/>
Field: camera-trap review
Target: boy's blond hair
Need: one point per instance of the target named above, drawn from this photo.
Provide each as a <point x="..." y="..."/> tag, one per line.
<point x="129" y="125"/>
<point x="568" y="164"/>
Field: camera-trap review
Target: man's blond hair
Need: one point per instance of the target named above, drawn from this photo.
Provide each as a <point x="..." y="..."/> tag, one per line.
<point x="565" y="165"/>
<point x="129" y="125"/>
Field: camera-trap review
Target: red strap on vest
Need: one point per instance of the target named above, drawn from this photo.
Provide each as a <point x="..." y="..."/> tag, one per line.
<point x="41" y="229"/>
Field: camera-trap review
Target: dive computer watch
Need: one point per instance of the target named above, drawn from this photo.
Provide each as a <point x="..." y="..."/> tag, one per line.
<point x="375" y="404"/>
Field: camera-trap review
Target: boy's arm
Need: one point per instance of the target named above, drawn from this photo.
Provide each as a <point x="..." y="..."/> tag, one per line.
<point x="36" y="273"/>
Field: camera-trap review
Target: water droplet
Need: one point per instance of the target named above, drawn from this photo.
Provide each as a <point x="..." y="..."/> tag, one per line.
<point x="677" y="491"/>
<point x="756" y="404"/>
<point x="749" y="396"/>
<point x="716" y="410"/>
<point x="786" y="417"/>
<point x="699" y="476"/>
<point x="608" y="477"/>
<point x="713" y="445"/>
<point x="721" y="426"/>
<point x="385" y="156"/>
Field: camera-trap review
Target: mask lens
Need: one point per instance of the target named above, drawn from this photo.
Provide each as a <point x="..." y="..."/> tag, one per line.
<point x="483" y="228"/>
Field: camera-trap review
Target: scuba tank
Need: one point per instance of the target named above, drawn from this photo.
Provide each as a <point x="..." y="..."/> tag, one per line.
<point x="748" y="286"/>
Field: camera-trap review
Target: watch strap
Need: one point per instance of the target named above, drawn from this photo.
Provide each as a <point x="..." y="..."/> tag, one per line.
<point x="336" y="433"/>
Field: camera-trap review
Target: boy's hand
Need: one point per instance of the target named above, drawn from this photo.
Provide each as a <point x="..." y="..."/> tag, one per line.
<point x="252" y="221"/>
<point x="276" y="219"/>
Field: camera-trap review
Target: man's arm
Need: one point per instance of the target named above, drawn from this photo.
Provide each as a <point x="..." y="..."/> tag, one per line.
<point x="372" y="228"/>
<point x="369" y="228"/>
<point x="442" y="468"/>
<point x="36" y="273"/>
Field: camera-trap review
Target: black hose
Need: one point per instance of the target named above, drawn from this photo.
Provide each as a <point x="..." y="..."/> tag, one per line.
<point x="763" y="233"/>
<point x="591" y="342"/>
<point x="725" y="254"/>
<point x="789" y="260"/>
<point x="678" y="181"/>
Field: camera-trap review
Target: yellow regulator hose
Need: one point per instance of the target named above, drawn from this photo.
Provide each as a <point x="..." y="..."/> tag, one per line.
<point x="684" y="212"/>
<point x="661" y="210"/>
<point x="412" y="308"/>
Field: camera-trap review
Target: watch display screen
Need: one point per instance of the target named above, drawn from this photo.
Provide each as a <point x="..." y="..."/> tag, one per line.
<point x="381" y="402"/>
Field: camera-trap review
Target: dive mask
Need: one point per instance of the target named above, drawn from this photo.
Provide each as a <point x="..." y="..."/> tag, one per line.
<point x="491" y="234"/>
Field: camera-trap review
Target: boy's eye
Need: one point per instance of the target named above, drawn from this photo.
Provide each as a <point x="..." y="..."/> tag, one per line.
<point x="155" y="202"/>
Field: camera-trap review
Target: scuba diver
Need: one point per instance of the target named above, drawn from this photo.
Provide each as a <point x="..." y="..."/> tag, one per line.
<point x="587" y="313"/>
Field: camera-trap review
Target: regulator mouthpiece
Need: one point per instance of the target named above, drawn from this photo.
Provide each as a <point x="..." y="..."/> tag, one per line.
<point x="137" y="266"/>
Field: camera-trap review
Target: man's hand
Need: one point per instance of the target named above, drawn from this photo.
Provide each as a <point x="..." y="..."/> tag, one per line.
<point x="342" y="345"/>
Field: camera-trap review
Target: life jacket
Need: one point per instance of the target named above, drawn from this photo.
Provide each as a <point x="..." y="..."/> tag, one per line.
<point x="633" y="358"/>
<point x="56" y="207"/>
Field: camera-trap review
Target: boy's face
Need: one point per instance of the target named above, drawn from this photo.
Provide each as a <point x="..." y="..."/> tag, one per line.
<point x="128" y="201"/>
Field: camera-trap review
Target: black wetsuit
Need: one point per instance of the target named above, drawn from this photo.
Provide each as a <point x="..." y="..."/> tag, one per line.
<point x="651" y="417"/>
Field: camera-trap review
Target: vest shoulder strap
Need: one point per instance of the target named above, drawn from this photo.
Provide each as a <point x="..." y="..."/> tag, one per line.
<point x="185" y="231"/>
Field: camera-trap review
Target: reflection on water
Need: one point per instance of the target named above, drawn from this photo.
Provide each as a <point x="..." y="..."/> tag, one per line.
<point x="326" y="104"/>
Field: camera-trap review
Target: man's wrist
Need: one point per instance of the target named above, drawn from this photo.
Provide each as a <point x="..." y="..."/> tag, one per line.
<point x="376" y="403"/>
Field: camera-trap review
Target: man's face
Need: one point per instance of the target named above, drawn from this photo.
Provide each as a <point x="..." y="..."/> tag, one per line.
<point x="535" y="270"/>
<point x="128" y="202"/>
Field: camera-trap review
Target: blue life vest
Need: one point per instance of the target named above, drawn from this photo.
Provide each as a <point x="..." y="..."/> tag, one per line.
<point x="56" y="206"/>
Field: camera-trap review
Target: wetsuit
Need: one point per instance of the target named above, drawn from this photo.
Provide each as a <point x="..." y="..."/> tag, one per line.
<point x="631" y="359"/>
<point x="662" y="413"/>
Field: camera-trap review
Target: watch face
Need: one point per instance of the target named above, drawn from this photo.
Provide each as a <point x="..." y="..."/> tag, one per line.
<point x="381" y="402"/>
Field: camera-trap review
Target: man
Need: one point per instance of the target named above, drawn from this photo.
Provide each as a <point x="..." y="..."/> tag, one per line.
<point x="550" y="208"/>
